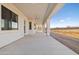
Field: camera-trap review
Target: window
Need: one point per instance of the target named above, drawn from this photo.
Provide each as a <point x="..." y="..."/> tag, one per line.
<point x="14" y="21"/>
<point x="34" y="26"/>
<point x="30" y="25"/>
<point x="24" y="26"/>
<point x="9" y="20"/>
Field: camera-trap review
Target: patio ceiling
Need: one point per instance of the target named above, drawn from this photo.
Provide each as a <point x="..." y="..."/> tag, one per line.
<point x="38" y="11"/>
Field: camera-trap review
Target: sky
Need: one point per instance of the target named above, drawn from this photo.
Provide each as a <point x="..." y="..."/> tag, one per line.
<point x="67" y="16"/>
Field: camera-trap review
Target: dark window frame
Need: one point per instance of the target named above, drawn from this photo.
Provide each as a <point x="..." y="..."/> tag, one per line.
<point x="8" y="19"/>
<point x="30" y="25"/>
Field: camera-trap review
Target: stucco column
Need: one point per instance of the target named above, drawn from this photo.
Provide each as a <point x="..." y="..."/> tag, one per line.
<point x="48" y="27"/>
<point x="43" y="26"/>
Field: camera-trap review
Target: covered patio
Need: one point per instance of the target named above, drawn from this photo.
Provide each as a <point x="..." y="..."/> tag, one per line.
<point x="31" y="35"/>
<point x="36" y="44"/>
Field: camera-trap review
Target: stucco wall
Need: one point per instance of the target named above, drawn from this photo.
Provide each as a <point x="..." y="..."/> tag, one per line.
<point x="8" y="36"/>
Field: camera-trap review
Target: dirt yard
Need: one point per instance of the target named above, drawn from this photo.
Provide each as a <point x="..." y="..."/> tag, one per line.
<point x="69" y="32"/>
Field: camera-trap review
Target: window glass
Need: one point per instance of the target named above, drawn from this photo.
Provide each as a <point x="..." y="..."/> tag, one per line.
<point x="9" y="20"/>
<point x="30" y="25"/>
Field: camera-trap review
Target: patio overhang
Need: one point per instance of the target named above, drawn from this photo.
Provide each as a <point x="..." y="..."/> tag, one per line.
<point x="53" y="11"/>
<point x="39" y="12"/>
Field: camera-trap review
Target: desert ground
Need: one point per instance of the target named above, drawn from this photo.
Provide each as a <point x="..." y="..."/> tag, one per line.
<point x="69" y="32"/>
<point x="68" y="37"/>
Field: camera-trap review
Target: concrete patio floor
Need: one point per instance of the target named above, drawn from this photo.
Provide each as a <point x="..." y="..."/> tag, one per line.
<point x="36" y="44"/>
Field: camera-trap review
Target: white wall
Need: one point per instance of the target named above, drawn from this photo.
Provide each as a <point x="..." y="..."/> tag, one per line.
<point x="8" y="36"/>
<point x="26" y="26"/>
<point x="39" y="28"/>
